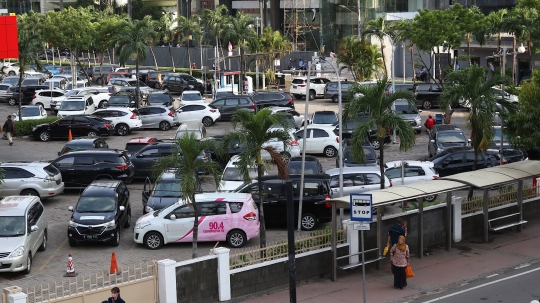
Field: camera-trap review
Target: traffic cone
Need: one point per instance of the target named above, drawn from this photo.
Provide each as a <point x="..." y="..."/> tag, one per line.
<point x="114" y="265"/>
<point x="69" y="135"/>
<point x="70" y="272"/>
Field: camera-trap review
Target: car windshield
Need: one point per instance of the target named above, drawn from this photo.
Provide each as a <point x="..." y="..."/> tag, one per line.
<point x="158" y="98"/>
<point x="12" y="226"/>
<point x="451" y="137"/>
<point x="30" y="111"/>
<point x="73" y="92"/>
<point x="368" y="153"/>
<point x="133" y="148"/>
<point x="497" y="135"/>
<point x="119" y="100"/>
<point x="167" y="189"/>
<point x="234" y="174"/>
<point x="325" y="118"/>
<point x="191" y="97"/>
<point x="72" y="105"/>
<point x="11" y="81"/>
<point x="96" y="204"/>
<point x="310" y="168"/>
<point x="405" y="109"/>
<point x="134" y="83"/>
<point x="196" y="134"/>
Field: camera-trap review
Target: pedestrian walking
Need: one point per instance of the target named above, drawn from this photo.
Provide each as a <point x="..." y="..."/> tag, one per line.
<point x="396" y="230"/>
<point x="9" y="129"/>
<point x="115" y="296"/>
<point x="448" y="114"/>
<point x="430" y="122"/>
<point x="400" y="259"/>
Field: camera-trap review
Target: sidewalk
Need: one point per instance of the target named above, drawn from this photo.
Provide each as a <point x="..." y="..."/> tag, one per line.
<point x="467" y="261"/>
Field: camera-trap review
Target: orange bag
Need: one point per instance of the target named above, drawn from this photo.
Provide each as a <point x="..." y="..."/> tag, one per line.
<point x="408" y="272"/>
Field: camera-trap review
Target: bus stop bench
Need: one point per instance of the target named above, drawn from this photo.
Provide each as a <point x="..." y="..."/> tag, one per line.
<point x="506" y="225"/>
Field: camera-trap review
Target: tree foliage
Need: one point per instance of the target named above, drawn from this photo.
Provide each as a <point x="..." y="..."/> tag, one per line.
<point x="360" y="57"/>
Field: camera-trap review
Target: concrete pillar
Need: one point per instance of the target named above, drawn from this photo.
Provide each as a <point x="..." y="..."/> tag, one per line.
<point x="457" y="218"/>
<point x="520" y="204"/>
<point x="485" y="203"/>
<point x="19" y="297"/>
<point x="448" y="227"/>
<point x="352" y="239"/>
<point x="420" y="227"/>
<point x="167" y="281"/>
<point x="380" y="235"/>
<point x="224" y="274"/>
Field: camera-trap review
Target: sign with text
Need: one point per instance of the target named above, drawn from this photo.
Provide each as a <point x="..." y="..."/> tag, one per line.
<point x="361" y="207"/>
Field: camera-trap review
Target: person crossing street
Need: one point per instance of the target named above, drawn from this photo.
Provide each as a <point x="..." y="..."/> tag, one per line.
<point x="9" y="129"/>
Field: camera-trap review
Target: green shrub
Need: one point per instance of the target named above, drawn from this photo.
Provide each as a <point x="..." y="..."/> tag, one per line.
<point x="24" y="128"/>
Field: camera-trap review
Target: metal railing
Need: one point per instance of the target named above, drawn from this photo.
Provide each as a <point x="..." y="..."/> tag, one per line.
<point x="504" y="196"/>
<point x="313" y="241"/>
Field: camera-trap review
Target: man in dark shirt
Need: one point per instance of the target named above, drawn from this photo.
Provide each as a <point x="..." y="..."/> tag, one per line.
<point x="396" y="230"/>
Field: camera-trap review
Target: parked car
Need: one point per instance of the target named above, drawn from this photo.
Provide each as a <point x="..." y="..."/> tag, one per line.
<point x="232" y="178"/>
<point x="408" y="172"/>
<point x="228" y="105"/>
<point x="316" y="87"/>
<point x="80" y="168"/>
<point x="100" y="73"/>
<point x="331" y="90"/>
<point x="144" y="89"/>
<point x="155" y="78"/>
<point x="44" y="97"/>
<point x="319" y="140"/>
<point x="316" y="189"/>
<point x="30" y="112"/>
<point x="160" y="98"/>
<point x="84" y="144"/>
<point x="206" y="114"/>
<point x="273" y="98"/>
<point x="312" y="166"/>
<point x="122" y="100"/>
<point x="100" y="96"/>
<point x="125" y="120"/>
<point x="77" y="105"/>
<point x="144" y="159"/>
<point x="357" y="179"/>
<point x="32" y="81"/>
<point x="118" y="75"/>
<point x="230" y="151"/>
<point x="297" y="118"/>
<point x="229" y="217"/>
<point x="39" y="179"/>
<point x="456" y="160"/>
<point x="80" y="126"/>
<point x="102" y="210"/>
<point x="10" y="69"/>
<point x="287" y="150"/>
<point x="9" y="95"/>
<point x="440" y="140"/>
<point x="157" y="117"/>
<point x="370" y="157"/>
<point x="11" y="80"/>
<point x="409" y="114"/>
<point x="350" y="125"/>
<point x="179" y="82"/>
<point x="196" y="128"/>
<point x="28" y="94"/>
<point x="191" y="97"/>
<point x="136" y="144"/>
<point x="23" y="233"/>
<point x="165" y="191"/>
<point x="323" y="118"/>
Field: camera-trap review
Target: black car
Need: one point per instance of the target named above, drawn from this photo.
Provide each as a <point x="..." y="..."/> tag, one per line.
<point x="102" y="210"/>
<point x="228" y="105"/>
<point x="83" y="144"/>
<point x="80" y="168"/>
<point x="457" y="160"/>
<point x="350" y="125"/>
<point x="165" y="191"/>
<point x="331" y="90"/>
<point x="160" y="98"/>
<point x="316" y="189"/>
<point x="273" y="98"/>
<point x="439" y="140"/>
<point x="179" y="82"/>
<point x="32" y="81"/>
<point x="145" y="158"/>
<point x="80" y="126"/>
<point x="122" y="99"/>
<point x="155" y="78"/>
<point x="223" y="158"/>
<point x="370" y="157"/>
<point x="312" y="166"/>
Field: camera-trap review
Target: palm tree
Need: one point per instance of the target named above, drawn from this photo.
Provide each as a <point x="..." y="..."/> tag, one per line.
<point x="473" y="85"/>
<point x="360" y="57"/>
<point x="29" y="45"/>
<point x="376" y="28"/>
<point x="185" y="161"/>
<point x="374" y="102"/>
<point x="214" y="21"/>
<point x="523" y="23"/>
<point x="254" y="130"/>
<point x="132" y="45"/>
<point x="239" y="33"/>
<point x="497" y="24"/>
<point x="165" y="29"/>
<point x="187" y="28"/>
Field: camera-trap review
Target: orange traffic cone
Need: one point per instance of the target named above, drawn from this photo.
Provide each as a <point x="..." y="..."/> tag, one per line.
<point x="114" y="265"/>
<point x="69" y="135"/>
<point x="70" y="272"/>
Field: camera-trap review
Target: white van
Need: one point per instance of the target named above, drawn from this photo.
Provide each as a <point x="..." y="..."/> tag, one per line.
<point x="23" y="231"/>
<point x="77" y="105"/>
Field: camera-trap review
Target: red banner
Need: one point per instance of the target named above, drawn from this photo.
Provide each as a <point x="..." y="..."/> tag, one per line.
<point x="9" y="39"/>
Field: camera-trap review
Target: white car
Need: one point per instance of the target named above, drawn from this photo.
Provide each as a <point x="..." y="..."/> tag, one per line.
<point x="232" y="177"/>
<point x="77" y="105"/>
<point x="298" y="118"/>
<point x="319" y="140"/>
<point x="44" y="97"/>
<point x="123" y="119"/>
<point x="69" y="79"/>
<point x="292" y="149"/>
<point x="197" y="113"/>
<point x="324" y="118"/>
<point x="357" y="179"/>
<point x="316" y="87"/>
<point x="30" y="112"/>
<point x="10" y="69"/>
<point x="415" y="171"/>
<point x="100" y="96"/>
<point x="191" y="97"/>
<point x="499" y="95"/>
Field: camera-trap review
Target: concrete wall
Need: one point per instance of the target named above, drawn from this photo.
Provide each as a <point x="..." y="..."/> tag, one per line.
<point x="197" y="282"/>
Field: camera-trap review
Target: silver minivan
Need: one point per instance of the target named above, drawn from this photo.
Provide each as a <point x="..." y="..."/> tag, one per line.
<point x="357" y="180"/>
<point x="23" y="231"/>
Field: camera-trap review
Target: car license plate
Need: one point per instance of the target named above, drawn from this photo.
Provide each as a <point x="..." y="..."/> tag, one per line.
<point x="90" y="237"/>
<point x="294" y="86"/>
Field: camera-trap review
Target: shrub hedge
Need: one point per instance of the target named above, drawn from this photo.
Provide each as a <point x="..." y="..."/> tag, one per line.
<point x="24" y="128"/>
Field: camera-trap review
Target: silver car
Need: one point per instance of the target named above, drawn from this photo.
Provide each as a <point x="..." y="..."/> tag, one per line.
<point x="23" y="231"/>
<point x="410" y="114"/>
<point x="356" y="180"/>
<point x="40" y="179"/>
<point x="157" y="117"/>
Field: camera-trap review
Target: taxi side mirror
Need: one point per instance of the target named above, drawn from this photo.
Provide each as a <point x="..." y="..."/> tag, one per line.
<point x="172" y="217"/>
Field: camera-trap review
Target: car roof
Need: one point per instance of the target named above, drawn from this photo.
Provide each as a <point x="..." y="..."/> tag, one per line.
<point x="25" y="164"/>
<point x="95" y="151"/>
<point x="100" y="187"/>
<point x="294" y="177"/>
<point x="82" y="140"/>
<point x="15" y="205"/>
<point x="191" y="92"/>
<point x="325" y="112"/>
<point x="222" y="196"/>
<point x="363" y="169"/>
<point x="308" y="158"/>
<point x="142" y="140"/>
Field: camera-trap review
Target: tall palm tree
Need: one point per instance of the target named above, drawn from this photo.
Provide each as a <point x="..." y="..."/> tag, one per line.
<point x="254" y="130"/>
<point x="214" y="21"/>
<point x="274" y="43"/>
<point x="473" y="85"/>
<point x="185" y="161"/>
<point x="360" y="57"/>
<point x="187" y="28"/>
<point x="374" y="102"/>
<point x="132" y="45"/>
<point x="239" y="33"/>
<point x="376" y="28"/>
<point x="497" y="24"/>
<point x="524" y="24"/>
<point x="166" y="25"/>
<point x="29" y="45"/>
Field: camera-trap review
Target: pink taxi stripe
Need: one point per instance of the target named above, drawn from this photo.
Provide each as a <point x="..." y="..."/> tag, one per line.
<point x="191" y="230"/>
<point x="220" y="199"/>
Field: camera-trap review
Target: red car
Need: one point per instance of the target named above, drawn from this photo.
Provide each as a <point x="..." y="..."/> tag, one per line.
<point x="137" y="143"/>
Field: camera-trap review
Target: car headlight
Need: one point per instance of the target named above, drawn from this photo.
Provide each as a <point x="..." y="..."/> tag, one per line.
<point x="190" y="86"/>
<point x="110" y="224"/>
<point x="58" y="115"/>
<point x="148" y="209"/>
<point x="142" y="225"/>
<point x="439" y="149"/>
<point x="17" y="253"/>
<point x="73" y="223"/>
<point x="34" y="128"/>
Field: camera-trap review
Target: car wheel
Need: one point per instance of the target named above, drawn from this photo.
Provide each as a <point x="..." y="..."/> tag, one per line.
<point x="29" y="192"/>
<point x="311" y="95"/>
<point x="43" y="245"/>
<point x="207" y="121"/>
<point x="11" y="73"/>
<point x="330" y="151"/>
<point x="40" y="104"/>
<point x="72" y="243"/>
<point x="116" y="240"/>
<point x="308" y="222"/>
<point x="12" y="101"/>
<point x="427" y="104"/>
<point x="236" y="238"/>
<point x="418" y="132"/>
<point x="28" y="264"/>
<point x="298" y="97"/>
<point x="45" y="136"/>
<point x="99" y="81"/>
<point x="335" y="99"/>
<point x="128" y="220"/>
<point x="376" y="144"/>
<point x="157" y="85"/>
<point x="430" y="198"/>
<point x="103" y="104"/>
<point x="153" y="240"/>
<point x="122" y="129"/>
<point x="92" y="134"/>
<point x="164" y="125"/>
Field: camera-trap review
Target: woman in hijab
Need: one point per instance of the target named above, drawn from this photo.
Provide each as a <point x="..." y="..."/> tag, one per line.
<point x="399" y="258"/>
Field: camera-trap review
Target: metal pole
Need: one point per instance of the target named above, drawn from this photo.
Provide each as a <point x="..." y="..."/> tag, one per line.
<point x="340" y="144"/>
<point x="403" y="50"/>
<point x="420" y="227"/>
<point x="448" y="220"/>
<point x="393" y="79"/>
<point x="334" y="244"/>
<point x="520" y="204"/>
<point x="363" y="264"/>
<point x="304" y="149"/>
<point x="290" y="242"/>
<point x="485" y="208"/>
<point x="359" y="20"/>
<point x="505" y="49"/>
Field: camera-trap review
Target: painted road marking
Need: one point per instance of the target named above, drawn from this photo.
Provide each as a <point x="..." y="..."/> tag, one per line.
<point x="53" y="255"/>
<point x="491" y="276"/>
<point x="522" y="265"/>
<point x="483" y="285"/>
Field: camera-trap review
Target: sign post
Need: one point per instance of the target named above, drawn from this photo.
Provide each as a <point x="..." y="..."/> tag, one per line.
<point x="362" y="211"/>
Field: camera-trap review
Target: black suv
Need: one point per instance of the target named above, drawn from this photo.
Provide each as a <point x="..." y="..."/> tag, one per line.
<point x="457" y="160"/>
<point x="122" y="99"/>
<point x="370" y="157"/>
<point x="444" y="136"/>
<point x="80" y="168"/>
<point x="103" y="208"/>
<point x="331" y="90"/>
<point x="155" y="78"/>
<point x="275" y="98"/>
<point x="228" y="105"/>
<point x="165" y="191"/>
<point x="316" y="189"/>
<point x="179" y="82"/>
<point x="350" y="125"/>
<point x="83" y="144"/>
<point x="312" y="166"/>
<point x="160" y="98"/>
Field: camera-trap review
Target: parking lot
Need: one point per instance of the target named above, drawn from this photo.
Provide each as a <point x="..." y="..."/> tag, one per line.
<point x="51" y="264"/>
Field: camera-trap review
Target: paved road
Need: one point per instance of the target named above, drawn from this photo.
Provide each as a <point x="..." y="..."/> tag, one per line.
<point x="51" y="264"/>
